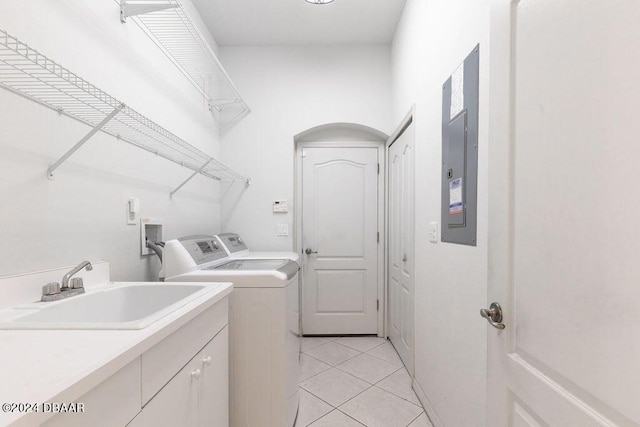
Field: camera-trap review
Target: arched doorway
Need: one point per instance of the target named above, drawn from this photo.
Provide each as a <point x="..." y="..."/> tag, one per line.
<point x="340" y="228"/>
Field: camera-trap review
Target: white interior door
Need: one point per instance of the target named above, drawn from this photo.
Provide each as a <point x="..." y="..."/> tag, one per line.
<point x="339" y="230"/>
<point x="401" y="249"/>
<point x="564" y="260"/>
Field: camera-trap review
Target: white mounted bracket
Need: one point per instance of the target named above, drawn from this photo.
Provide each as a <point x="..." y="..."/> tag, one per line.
<point x="220" y="104"/>
<point x="80" y="143"/>
<point x="200" y="170"/>
<point x="190" y="178"/>
<point x="134" y="7"/>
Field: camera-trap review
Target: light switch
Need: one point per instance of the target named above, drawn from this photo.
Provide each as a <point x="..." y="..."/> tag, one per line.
<point x="282" y="230"/>
<point x="433" y="232"/>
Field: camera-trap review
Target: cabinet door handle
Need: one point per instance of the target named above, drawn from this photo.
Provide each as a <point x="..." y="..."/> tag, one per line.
<point x="196" y="374"/>
<point x="207" y="360"/>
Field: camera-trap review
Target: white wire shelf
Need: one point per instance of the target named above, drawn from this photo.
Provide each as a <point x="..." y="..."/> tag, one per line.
<point x="171" y="28"/>
<point x="29" y="73"/>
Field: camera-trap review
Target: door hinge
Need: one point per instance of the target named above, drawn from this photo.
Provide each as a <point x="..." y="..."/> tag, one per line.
<point x="378" y="305"/>
<point x="302" y="153"/>
<point x="378" y="237"/>
<point x="378" y="168"/>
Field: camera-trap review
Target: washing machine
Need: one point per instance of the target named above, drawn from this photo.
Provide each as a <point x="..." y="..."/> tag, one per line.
<point x="264" y="332"/>
<point x="237" y="248"/>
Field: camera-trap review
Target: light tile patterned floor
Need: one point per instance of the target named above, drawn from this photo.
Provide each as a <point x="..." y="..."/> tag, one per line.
<point x="355" y="382"/>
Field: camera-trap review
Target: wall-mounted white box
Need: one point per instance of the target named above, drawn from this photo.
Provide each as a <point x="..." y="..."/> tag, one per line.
<point x="133" y="209"/>
<point x="434" y="231"/>
<point x="150" y="229"/>
<point x="280" y="206"/>
<point x="282" y="230"/>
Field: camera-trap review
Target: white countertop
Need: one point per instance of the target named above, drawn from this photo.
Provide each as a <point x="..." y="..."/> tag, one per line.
<point x="62" y="365"/>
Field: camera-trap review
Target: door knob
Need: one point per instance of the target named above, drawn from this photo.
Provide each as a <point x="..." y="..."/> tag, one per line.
<point x="493" y="315"/>
<point x="310" y="251"/>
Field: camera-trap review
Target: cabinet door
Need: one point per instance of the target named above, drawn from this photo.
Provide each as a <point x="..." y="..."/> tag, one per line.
<point x="176" y="404"/>
<point x="162" y="361"/>
<point x="214" y="383"/>
<point x="198" y="395"/>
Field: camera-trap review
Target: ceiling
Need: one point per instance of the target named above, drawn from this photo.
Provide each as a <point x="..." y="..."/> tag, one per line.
<point x="296" y="22"/>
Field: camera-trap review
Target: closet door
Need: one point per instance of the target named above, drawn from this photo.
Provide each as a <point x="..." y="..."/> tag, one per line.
<point x="401" y="248"/>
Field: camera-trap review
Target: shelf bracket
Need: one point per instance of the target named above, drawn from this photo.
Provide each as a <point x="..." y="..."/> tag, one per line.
<point x="134" y="7"/>
<point x="220" y="104"/>
<point x="84" y="139"/>
<point x="190" y="178"/>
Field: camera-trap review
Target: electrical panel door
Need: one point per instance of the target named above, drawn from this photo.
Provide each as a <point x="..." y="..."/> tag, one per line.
<point x="460" y="152"/>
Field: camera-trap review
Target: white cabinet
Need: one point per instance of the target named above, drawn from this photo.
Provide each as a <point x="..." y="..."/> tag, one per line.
<point x="176" y="404"/>
<point x="198" y="395"/>
<point x="161" y="362"/>
<point x="181" y="381"/>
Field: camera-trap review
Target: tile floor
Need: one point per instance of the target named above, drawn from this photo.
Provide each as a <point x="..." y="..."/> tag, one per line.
<point x="355" y="382"/>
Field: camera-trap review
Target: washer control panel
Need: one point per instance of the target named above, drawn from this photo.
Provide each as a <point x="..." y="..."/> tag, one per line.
<point x="232" y="242"/>
<point x="203" y="249"/>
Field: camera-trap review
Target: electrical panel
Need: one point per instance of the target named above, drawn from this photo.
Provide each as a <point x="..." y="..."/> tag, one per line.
<point x="460" y="101"/>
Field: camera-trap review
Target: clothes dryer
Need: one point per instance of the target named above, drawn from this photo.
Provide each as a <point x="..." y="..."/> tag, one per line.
<point x="237" y="248"/>
<point x="264" y="332"/>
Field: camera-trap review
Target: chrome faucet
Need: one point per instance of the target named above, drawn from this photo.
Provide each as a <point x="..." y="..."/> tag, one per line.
<point x="53" y="291"/>
<point x="65" y="279"/>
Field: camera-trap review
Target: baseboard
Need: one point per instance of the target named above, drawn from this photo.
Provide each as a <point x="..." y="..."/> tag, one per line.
<point x="428" y="407"/>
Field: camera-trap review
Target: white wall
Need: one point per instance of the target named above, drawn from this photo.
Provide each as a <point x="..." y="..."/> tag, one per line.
<point x="81" y="215"/>
<point x="291" y="89"/>
<point x="433" y="37"/>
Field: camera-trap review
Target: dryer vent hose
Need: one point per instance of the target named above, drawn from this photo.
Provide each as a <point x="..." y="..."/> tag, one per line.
<point x="156" y="247"/>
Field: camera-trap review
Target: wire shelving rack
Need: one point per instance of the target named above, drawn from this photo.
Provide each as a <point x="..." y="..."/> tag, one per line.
<point x="29" y="73"/>
<point x="171" y="28"/>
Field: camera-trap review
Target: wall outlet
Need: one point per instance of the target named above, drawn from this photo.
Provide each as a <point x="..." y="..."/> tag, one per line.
<point x="151" y="230"/>
<point x="280" y="206"/>
<point x="434" y="231"/>
<point x="282" y="230"/>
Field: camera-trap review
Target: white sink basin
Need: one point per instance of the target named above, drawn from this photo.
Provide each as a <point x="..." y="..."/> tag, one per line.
<point x="123" y="306"/>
